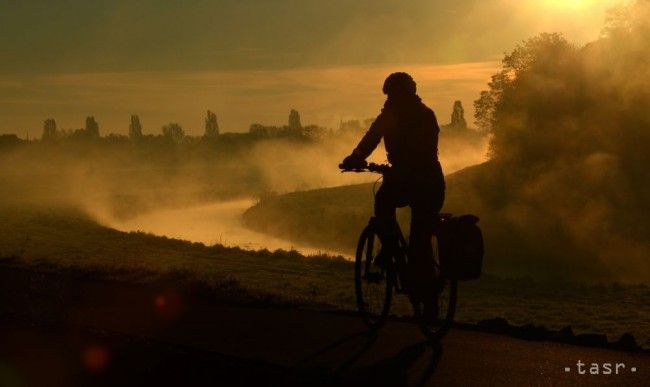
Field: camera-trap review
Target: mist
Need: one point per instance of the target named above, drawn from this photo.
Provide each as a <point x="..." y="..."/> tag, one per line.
<point x="563" y="186"/>
<point x="196" y="189"/>
<point x="562" y="193"/>
<point x="166" y="174"/>
<point x="566" y="192"/>
<point x="213" y="223"/>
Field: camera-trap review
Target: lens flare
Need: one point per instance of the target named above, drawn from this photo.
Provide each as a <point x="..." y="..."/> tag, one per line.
<point x="95" y="358"/>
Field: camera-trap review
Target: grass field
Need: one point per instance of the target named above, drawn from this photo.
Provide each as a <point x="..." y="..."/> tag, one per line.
<point x="67" y="240"/>
<point x="525" y="235"/>
<point x="552" y="281"/>
<point x="332" y="218"/>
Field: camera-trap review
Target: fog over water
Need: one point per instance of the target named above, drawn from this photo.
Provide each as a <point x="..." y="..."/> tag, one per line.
<point x="212" y="223"/>
<point x="568" y="148"/>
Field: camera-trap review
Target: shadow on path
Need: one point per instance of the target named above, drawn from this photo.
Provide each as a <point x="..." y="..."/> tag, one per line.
<point x="328" y="366"/>
<point x="401" y="369"/>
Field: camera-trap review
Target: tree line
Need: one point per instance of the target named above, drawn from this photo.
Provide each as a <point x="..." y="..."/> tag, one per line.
<point x="172" y="131"/>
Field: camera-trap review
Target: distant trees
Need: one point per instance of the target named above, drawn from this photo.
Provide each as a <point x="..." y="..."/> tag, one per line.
<point x="458" y="116"/>
<point x="10" y="140"/>
<point x="90" y="131"/>
<point x="135" y="128"/>
<point x="211" y="126"/>
<point x="294" y="129"/>
<point x="294" y="121"/>
<point x="49" y="130"/>
<point x="350" y="126"/>
<point x="92" y="127"/>
<point x="173" y="132"/>
<point x="314" y="132"/>
<point x="259" y="130"/>
<point x="354" y="127"/>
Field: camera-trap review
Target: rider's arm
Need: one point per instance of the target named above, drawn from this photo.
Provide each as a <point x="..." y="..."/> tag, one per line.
<point x="373" y="136"/>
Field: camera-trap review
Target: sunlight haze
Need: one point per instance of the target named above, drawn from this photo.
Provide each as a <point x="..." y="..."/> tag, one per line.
<point x="252" y="61"/>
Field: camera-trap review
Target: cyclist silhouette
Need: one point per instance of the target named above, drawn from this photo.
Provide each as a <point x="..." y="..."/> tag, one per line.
<point x="410" y="132"/>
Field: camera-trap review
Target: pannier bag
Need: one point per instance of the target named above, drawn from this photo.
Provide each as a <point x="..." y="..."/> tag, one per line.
<point x="460" y="245"/>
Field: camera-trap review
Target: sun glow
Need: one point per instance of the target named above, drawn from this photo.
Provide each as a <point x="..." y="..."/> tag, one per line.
<point x="577" y="5"/>
<point x="568" y="4"/>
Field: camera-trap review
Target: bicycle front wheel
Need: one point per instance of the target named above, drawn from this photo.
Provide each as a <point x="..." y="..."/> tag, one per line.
<point x="373" y="279"/>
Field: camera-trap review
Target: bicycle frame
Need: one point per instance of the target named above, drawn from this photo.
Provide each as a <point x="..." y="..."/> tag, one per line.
<point x="392" y="272"/>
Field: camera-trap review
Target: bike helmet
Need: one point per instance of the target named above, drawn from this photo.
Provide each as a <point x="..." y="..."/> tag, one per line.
<point x="399" y="83"/>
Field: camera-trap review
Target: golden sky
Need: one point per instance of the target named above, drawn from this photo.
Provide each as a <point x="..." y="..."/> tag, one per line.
<point x="253" y="60"/>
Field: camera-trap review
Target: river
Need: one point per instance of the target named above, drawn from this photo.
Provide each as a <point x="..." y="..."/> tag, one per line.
<point x="219" y="222"/>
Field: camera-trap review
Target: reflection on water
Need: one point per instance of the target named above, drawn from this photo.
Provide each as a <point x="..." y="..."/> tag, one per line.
<point x="209" y="224"/>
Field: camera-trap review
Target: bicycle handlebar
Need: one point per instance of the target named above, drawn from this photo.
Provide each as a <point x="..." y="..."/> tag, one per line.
<point x="372" y="167"/>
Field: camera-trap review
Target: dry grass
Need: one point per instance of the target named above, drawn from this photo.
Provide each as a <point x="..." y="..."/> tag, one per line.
<point x="67" y="241"/>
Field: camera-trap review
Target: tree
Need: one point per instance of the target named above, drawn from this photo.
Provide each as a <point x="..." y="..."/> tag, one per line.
<point x="49" y="130"/>
<point x="458" y="116"/>
<point x="350" y="126"/>
<point x="173" y="132"/>
<point x="10" y="140"/>
<point x="258" y="130"/>
<point x="294" y="121"/>
<point x="314" y="132"/>
<point x="211" y="126"/>
<point x="92" y="127"/>
<point x="135" y="128"/>
<point x="539" y="79"/>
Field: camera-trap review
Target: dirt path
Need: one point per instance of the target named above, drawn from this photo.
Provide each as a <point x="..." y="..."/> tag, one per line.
<point x="110" y="333"/>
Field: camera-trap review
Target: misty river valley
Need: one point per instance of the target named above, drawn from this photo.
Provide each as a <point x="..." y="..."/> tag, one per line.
<point x="586" y="308"/>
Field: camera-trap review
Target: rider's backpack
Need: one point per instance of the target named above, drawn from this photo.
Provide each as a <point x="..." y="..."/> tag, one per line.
<point x="460" y="244"/>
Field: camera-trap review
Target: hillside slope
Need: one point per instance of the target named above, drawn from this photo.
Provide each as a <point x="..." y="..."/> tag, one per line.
<point x="524" y="236"/>
<point x="71" y="247"/>
<point x="332" y="218"/>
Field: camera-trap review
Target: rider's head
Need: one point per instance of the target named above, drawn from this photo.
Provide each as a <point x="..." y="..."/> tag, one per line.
<point x="399" y="84"/>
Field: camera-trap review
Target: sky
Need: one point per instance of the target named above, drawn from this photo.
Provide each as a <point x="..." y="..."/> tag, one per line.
<point x="253" y="60"/>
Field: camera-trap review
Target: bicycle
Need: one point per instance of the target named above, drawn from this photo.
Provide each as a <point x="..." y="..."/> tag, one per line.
<point x="377" y="276"/>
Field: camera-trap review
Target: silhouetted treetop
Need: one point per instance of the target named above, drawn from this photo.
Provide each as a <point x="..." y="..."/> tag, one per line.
<point x="49" y="130"/>
<point x="211" y="126"/>
<point x="92" y="127"/>
<point x="173" y="131"/>
<point x="294" y="120"/>
<point x="135" y="128"/>
<point x="458" y="116"/>
<point x="539" y="80"/>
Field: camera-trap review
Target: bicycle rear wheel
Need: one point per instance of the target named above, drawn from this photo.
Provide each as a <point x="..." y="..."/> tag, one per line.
<point x="373" y="279"/>
<point x="437" y="328"/>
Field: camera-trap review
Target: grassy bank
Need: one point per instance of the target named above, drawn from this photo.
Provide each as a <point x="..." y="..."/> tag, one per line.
<point x="67" y="241"/>
<point x="332" y="218"/>
<point x="525" y="234"/>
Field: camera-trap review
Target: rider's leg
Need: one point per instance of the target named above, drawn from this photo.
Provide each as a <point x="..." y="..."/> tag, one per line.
<point x="425" y="206"/>
<point x="385" y="205"/>
<point x="421" y="257"/>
